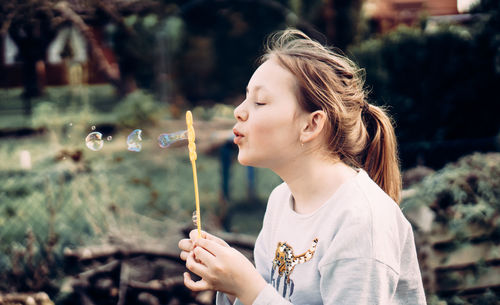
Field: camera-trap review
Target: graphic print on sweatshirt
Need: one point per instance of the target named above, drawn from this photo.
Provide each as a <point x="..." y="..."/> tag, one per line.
<point x="283" y="264"/>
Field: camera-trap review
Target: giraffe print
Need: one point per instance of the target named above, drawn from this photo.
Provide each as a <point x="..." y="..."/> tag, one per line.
<point x="285" y="261"/>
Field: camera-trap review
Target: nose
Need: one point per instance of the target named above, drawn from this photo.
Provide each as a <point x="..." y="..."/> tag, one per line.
<point x="240" y="113"/>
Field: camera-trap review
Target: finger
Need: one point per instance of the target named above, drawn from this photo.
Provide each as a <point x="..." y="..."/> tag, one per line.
<point x="184" y="255"/>
<point x="196" y="267"/>
<point x="185" y="244"/>
<point x="195" y="286"/>
<point x="193" y="235"/>
<point x="218" y="240"/>
<point x="203" y="256"/>
<point x="209" y="245"/>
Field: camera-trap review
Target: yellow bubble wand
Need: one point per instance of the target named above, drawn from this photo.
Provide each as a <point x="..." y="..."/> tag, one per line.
<point x="192" y="157"/>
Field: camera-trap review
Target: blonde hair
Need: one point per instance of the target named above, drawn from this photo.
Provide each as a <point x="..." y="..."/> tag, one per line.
<point x="359" y="133"/>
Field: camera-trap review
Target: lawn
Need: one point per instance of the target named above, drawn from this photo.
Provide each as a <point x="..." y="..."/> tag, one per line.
<point x="57" y="193"/>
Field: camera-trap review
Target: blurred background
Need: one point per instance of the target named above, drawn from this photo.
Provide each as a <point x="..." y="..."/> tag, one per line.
<point x="100" y="225"/>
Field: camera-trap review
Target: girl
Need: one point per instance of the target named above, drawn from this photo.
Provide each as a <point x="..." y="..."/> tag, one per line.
<point x="333" y="232"/>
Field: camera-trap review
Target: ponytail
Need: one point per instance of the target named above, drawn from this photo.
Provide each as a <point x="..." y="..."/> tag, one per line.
<point x="380" y="154"/>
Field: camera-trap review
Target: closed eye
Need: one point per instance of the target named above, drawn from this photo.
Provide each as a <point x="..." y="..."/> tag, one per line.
<point x="259" y="104"/>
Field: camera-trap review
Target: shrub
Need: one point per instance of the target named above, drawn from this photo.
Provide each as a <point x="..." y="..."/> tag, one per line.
<point x="438" y="85"/>
<point x="457" y="252"/>
<point x="137" y="109"/>
<point x="462" y="192"/>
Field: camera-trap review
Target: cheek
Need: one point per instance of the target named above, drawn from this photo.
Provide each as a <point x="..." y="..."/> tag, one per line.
<point x="267" y="136"/>
<point x="274" y="136"/>
<point x="270" y="142"/>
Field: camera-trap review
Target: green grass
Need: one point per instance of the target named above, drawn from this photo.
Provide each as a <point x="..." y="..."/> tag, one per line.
<point x="72" y="101"/>
<point x="65" y="202"/>
<point x="109" y="190"/>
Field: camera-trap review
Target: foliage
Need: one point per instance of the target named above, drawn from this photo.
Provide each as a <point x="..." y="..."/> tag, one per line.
<point x="439" y="85"/>
<point x="223" y="40"/>
<point x="462" y="193"/>
<point x="135" y="44"/>
<point x="73" y="196"/>
<point x="341" y="21"/>
<point x="174" y="47"/>
<point x="37" y="224"/>
<point x="31" y="25"/>
<point x="488" y="28"/>
<point x="216" y="111"/>
<point x="137" y="109"/>
<point x="67" y="104"/>
<point x="464" y="199"/>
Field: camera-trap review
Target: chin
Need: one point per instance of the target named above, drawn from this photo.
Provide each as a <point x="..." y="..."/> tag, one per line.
<point x="246" y="160"/>
<point x="243" y="160"/>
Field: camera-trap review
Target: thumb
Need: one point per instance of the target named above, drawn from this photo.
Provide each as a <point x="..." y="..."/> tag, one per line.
<point x="193" y="235"/>
<point x="216" y="239"/>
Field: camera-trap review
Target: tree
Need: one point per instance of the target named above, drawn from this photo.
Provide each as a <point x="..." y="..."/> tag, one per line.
<point x="338" y="19"/>
<point x="223" y="40"/>
<point x="31" y="27"/>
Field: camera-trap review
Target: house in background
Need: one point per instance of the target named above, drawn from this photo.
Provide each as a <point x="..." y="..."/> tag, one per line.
<point x="67" y="50"/>
<point x="386" y="15"/>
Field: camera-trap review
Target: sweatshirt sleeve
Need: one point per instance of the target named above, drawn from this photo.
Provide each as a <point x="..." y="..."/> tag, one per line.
<point x="221" y="299"/>
<point x="357" y="281"/>
<point x="269" y="296"/>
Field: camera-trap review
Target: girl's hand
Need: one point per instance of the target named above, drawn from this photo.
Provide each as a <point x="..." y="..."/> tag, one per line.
<point x="186" y="245"/>
<point x="221" y="268"/>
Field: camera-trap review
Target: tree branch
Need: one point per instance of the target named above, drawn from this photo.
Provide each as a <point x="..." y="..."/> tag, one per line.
<point x="91" y="253"/>
<point x="7" y="22"/>
<point x="111" y="72"/>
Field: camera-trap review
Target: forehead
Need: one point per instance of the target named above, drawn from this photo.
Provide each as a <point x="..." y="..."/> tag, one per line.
<point x="272" y="77"/>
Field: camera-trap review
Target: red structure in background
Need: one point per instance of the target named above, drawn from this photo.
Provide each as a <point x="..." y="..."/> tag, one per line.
<point x="388" y="14"/>
<point x="56" y="74"/>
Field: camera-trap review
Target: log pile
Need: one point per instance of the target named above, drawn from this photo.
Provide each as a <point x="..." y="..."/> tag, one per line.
<point x="39" y="298"/>
<point x="129" y="271"/>
<point x="468" y="267"/>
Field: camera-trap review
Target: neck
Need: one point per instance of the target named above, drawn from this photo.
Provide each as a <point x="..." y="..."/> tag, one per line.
<point x="313" y="179"/>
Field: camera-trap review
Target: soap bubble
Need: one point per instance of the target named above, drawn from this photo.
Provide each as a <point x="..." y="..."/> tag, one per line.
<point x="94" y="141"/>
<point x="167" y="139"/>
<point x="93" y="127"/>
<point x="195" y="219"/>
<point x="134" y="140"/>
<point x="109" y="138"/>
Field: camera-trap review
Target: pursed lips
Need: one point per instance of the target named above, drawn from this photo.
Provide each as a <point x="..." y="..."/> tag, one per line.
<point x="238" y="136"/>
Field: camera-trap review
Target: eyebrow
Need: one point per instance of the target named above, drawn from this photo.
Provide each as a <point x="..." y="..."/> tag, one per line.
<point x="257" y="88"/>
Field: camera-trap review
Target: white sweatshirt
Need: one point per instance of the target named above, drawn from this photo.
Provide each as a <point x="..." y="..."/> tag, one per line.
<point x="357" y="248"/>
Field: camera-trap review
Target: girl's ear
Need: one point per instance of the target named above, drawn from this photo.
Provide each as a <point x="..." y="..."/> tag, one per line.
<point x="314" y="124"/>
